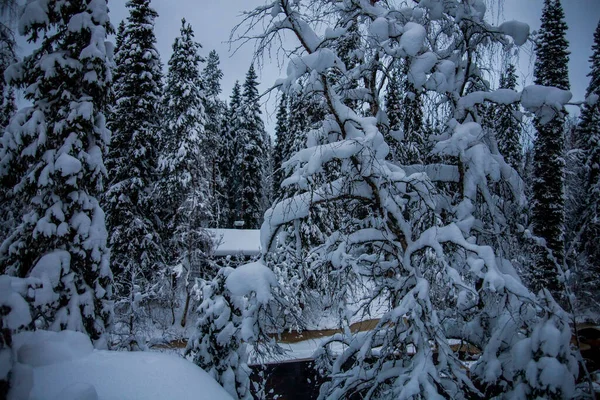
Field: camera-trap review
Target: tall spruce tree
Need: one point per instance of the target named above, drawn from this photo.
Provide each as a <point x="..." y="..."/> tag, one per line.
<point x="58" y="168"/>
<point x="133" y="223"/>
<point x="7" y="110"/>
<point x="282" y="146"/>
<point x="230" y="153"/>
<point x="215" y="109"/>
<point x="589" y="138"/>
<point x="551" y="69"/>
<point x="217" y="346"/>
<point x="183" y="190"/>
<point x="393" y="108"/>
<point x="403" y="107"/>
<point x="508" y="128"/>
<point x="251" y="154"/>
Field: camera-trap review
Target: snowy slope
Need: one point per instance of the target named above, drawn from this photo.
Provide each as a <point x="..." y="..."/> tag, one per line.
<point x="65" y="366"/>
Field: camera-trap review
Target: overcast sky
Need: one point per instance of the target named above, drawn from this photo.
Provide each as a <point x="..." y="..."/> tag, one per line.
<point x="213" y="20"/>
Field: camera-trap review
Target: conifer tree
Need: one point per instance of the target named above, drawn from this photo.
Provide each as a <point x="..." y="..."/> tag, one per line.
<point x="413" y="150"/>
<point x="8" y="209"/>
<point x="403" y="107"/>
<point x="117" y="78"/>
<point x="508" y="128"/>
<point x="214" y="127"/>
<point x="393" y="108"/>
<point x="62" y="235"/>
<point x="230" y="155"/>
<point x="133" y="223"/>
<point x="282" y="146"/>
<point x="589" y="136"/>
<point x="216" y="346"/>
<point x="183" y="190"/>
<point x="551" y="69"/>
<point x="250" y="159"/>
<point x="7" y="110"/>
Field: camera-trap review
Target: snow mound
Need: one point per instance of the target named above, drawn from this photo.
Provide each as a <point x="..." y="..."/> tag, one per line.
<point x="253" y="277"/>
<point x="65" y="366"/>
<point x="41" y="348"/>
<point x="519" y="31"/>
<point x="413" y="38"/>
<point x="78" y="391"/>
<point x="544" y="101"/>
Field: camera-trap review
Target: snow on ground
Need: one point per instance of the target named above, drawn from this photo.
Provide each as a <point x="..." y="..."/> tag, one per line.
<point x="233" y="242"/>
<point x="65" y="366"/>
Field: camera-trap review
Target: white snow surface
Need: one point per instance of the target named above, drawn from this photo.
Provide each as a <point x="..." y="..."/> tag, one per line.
<point x="253" y="277"/>
<point x="413" y="38"/>
<point x="65" y="366"/>
<point x="231" y="242"/>
<point x="519" y="31"/>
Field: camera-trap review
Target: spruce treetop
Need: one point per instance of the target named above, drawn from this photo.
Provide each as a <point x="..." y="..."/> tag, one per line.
<point x="594" y="74"/>
<point x="212" y="75"/>
<point x="552" y="54"/>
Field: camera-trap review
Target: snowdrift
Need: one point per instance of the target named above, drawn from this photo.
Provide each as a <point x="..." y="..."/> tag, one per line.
<point x="64" y="365"/>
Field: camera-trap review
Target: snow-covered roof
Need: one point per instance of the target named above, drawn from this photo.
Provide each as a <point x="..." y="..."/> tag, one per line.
<point x="236" y="242"/>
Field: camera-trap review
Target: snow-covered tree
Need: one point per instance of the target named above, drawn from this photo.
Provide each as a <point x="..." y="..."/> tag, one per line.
<point x="548" y="216"/>
<point x="588" y="231"/>
<point x="393" y="109"/>
<point x="413" y="123"/>
<point x="230" y="155"/>
<point x="251" y="154"/>
<point x="183" y="191"/>
<point x="215" y="130"/>
<point x="7" y="110"/>
<point x="54" y="152"/>
<point x="132" y="215"/>
<point x="282" y="146"/>
<point x="216" y="346"/>
<point x="508" y="128"/>
<point x="411" y="247"/>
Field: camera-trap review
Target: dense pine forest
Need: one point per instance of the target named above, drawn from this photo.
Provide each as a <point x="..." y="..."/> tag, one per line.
<point x="427" y="221"/>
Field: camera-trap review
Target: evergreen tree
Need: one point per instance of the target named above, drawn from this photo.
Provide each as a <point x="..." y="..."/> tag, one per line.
<point x="589" y="138"/>
<point x="413" y="149"/>
<point x="508" y="128"/>
<point x="120" y="36"/>
<point x="551" y="69"/>
<point x="215" y="139"/>
<point x="250" y="160"/>
<point x="117" y="78"/>
<point x="403" y="107"/>
<point x="282" y="146"/>
<point x="216" y="346"/>
<point x="183" y="191"/>
<point x="8" y="106"/>
<point x="393" y="108"/>
<point x="8" y="210"/>
<point x="133" y="223"/>
<point x="230" y="153"/>
<point x="58" y="166"/>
